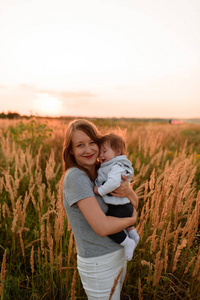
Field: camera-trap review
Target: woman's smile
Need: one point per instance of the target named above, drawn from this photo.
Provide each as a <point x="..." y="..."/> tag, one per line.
<point x="89" y="156"/>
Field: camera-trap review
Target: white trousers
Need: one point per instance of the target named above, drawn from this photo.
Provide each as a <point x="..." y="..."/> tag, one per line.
<point x="98" y="274"/>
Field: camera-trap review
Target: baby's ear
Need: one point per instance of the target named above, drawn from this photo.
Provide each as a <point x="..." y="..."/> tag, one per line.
<point x="118" y="152"/>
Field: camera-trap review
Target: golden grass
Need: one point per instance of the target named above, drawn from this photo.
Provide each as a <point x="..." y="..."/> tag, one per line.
<point x="34" y="223"/>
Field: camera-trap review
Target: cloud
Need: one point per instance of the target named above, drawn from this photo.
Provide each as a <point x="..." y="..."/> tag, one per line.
<point x="64" y="95"/>
<point x="76" y="95"/>
<point x="24" y="98"/>
<point x="71" y="98"/>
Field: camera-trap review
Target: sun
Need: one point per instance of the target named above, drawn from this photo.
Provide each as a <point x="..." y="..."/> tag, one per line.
<point x="47" y="105"/>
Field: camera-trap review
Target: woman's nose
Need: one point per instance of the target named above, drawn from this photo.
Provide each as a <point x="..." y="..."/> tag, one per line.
<point x="88" y="148"/>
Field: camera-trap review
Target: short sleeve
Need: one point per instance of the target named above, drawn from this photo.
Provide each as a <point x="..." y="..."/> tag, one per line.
<point x="76" y="186"/>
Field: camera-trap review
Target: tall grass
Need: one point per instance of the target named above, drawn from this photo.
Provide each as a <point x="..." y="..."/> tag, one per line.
<point x="37" y="248"/>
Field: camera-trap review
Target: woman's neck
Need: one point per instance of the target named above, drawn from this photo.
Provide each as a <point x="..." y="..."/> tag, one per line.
<point x="93" y="172"/>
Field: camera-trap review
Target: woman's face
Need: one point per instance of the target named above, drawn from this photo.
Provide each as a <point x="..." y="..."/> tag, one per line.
<point x="84" y="149"/>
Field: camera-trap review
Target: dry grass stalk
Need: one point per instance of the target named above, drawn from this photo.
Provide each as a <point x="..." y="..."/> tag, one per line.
<point x="73" y="286"/>
<point x="38" y="158"/>
<point x="189" y="265"/>
<point x="1" y="184"/>
<point x="6" y="148"/>
<point x="167" y="235"/>
<point x="38" y="177"/>
<point x="33" y="201"/>
<point x="162" y="239"/>
<point x="3" y="273"/>
<point x="148" y="264"/>
<point x="25" y="202"/>
<point x="33" y="242"/>
<point x="149" y="275"/>
<point x="45" y="255"/>
<point x="140" y="289"/>
<point x="194" y="225"/>
<point x="177" y="254"/>
<point x="158" y="268"/>
<point x="137" y="164"/>
<point x="41" y="191"/>
<point x="152" y="180"/>
<point x="5" y="209"/>
<point x="38" y="256"/>
<point x="166" y="257"/>
<point x="176" y="235"/>
<point x="16" y="214"/>
<point x="154" y="241"/>
<point x="52" y="200"/>
<point x="115" y="283"/>
<point x="60" y="211"/>
<point x="50" y="244"/>
<point x="56" y="230"/>
<point x="42" y="237"/>
<point x="32" y="260"/>
<point x="9" y="188"/>
<point x="48" y="227"/>
<point x="197" y="265"/>
<point x="70" y="245"/>
<point x="145" y="190"/>
<point x="60" y="262"/>
<point x="50" y="166"/>
<point x="21" y="242"/>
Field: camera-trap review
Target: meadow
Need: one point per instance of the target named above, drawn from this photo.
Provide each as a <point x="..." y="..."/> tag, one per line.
<point x="37" y="248"/>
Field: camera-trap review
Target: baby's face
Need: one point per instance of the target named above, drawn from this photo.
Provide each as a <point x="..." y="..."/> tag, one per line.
<point x="106" y="153"/>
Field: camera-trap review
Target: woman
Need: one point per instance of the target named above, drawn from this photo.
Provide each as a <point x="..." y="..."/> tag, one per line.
<point x="99" y="259"/>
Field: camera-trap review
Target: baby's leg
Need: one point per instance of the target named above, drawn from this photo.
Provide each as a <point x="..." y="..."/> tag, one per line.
<point x="132" y="233"/>
<point x="121" y="237"/>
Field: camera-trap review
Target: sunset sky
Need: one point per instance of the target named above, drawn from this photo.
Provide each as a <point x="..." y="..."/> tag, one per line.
<point x="100" y="58"/>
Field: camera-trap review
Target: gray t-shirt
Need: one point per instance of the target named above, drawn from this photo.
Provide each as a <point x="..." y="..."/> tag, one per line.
<point x="77" y="186"/>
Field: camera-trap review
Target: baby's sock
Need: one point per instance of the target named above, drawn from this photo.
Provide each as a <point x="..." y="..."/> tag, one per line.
<point x="129" y="247"/>
<point x="134" y="235"/>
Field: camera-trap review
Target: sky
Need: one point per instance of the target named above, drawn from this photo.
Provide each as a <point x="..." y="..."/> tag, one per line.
<point x="100" y="58"/>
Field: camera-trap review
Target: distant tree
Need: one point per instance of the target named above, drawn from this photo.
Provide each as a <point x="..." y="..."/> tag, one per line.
<point x="10" y="115"/>
<point x="13" y="115"/>
<point x="3" y="116"/>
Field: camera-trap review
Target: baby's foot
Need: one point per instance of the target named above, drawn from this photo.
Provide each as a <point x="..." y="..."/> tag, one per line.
<point x="134" y="235"/>
<point x="129" y="247"/>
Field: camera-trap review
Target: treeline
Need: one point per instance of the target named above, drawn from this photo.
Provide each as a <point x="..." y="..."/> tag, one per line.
<point x="11" y="115"/>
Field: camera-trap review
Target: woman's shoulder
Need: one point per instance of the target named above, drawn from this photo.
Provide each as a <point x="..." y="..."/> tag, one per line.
<point x="74" y="173"/>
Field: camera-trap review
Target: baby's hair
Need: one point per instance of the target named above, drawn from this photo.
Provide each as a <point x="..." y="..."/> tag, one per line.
<point x="115" y="141"/>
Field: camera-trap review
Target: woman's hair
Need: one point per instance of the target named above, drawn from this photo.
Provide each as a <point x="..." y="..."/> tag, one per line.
<point x="88" y="128"/>
<point x="115" y="141"/>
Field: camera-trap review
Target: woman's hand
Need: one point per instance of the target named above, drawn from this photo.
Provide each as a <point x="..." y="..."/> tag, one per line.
<point x="134" y="216"/>
<point x="96" y="190"/>
<point x="125" y="190"/>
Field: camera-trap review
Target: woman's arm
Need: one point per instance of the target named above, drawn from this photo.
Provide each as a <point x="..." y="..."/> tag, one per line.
<point x="100" y="223"/>
<point x="125" y="190"/>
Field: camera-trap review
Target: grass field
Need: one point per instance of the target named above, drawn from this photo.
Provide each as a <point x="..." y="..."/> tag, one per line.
<point x="37" y="249"/>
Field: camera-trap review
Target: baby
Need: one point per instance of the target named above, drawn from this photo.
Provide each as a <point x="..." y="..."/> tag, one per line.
<point x="114" y="163"/>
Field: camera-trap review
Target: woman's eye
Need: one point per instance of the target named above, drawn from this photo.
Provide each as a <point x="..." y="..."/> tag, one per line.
<point x="91" y="143"/>
<point x="80" y="145"/>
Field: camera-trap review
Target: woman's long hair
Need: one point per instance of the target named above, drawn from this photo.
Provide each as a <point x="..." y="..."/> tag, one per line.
<point x="88" y="128"/>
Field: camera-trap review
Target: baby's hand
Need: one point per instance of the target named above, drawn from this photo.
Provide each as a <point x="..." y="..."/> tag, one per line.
<point x="96" y="190"/>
